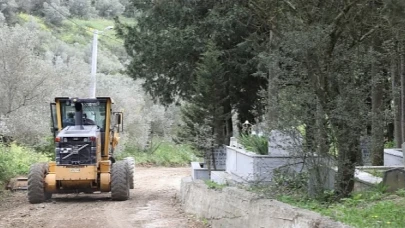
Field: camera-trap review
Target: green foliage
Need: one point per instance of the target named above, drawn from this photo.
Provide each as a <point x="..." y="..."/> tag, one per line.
<point x="165" y="154"/>
<point x="40" y="21"/>
<point x="400" y="192"/>
<point x="289" y="180"/>
<point x="363" y="209"/>
<point x="15" y="160"/>
<point x="109" y="8"/>
<point x="389" y="144"/>
<point x="255" y="143"/>
<point x="47" y="147"/>
<point x="213" y="185"/>
<point x="204" y="116"/>
<point x="168" y="40"/>
<point x="55" y="13"/>
<point x="82" y="8"/>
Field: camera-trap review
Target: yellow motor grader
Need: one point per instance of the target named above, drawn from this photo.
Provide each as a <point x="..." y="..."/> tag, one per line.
<point x="86" y="132"/>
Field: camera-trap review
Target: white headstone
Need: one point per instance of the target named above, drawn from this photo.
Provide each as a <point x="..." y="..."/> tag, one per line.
<point x="284" y="143"/>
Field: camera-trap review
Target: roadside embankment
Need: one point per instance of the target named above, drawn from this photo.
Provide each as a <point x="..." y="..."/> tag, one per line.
<point x="234" y="207"/>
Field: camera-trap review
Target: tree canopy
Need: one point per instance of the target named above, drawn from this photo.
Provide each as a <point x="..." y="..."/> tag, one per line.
<point x="320" y="66"/>
<point x="169" y="37"/>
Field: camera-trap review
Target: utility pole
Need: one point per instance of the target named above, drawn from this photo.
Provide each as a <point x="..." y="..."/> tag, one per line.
<point x="94" y="61"/>
<point x="94" y="65"/>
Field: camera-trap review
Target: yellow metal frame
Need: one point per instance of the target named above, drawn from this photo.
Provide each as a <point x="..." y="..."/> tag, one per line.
<point x="58" y="115"/>
<point x="105" y="183"/>
<point x="76" y="172"/>
<point x="107" y="130"/>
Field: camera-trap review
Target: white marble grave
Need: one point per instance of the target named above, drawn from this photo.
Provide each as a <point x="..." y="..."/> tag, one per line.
<point x="284" y="143"/>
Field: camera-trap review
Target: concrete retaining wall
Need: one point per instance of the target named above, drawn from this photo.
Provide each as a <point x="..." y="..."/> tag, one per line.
<point x="233" y="207"/>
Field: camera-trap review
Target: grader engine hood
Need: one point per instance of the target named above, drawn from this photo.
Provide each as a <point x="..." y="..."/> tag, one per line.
<point x="77" y="146"/>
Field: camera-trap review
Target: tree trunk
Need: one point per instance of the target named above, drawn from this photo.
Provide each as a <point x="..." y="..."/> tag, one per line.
<point x="402" y="72"/>
<point x="396" y="96"/>
<point x="272" y="91"/>
<point x="348" y="147"/>
<point x="322" y="134"/>
<point x="377" y="110"/>
<point x="228" y="121"/>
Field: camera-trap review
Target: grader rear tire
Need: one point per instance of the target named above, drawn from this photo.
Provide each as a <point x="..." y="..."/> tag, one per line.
<point x="131" y="170"/>
<point x="36" y="180"/>
<point x="119" y="181"/>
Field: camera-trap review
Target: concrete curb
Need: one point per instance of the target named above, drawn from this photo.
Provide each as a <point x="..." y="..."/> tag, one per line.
<point x="234" y="207"/>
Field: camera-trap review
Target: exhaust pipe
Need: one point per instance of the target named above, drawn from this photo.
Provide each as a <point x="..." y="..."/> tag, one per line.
<point x="79" y="116"/>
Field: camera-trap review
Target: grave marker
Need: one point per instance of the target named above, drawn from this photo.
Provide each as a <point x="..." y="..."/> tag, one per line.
<point x="284" y="143"/>
<point x="220" y="158"/>
<point x="394" y="179"/>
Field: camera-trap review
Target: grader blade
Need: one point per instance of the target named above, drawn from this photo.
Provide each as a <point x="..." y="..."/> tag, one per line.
<point x="18" y="183"/>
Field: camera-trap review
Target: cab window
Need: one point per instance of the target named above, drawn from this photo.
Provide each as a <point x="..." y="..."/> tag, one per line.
<point x="93" y="114"/>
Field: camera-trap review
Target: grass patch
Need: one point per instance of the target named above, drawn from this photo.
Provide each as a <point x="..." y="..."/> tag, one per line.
<point x="16" y="160"/>
<point x="40" y="21"/>
<point x="364" y="209"/>
<point x="213" y="185"/>
<point x="163" y="153"/>
<point x="100" y="24"/>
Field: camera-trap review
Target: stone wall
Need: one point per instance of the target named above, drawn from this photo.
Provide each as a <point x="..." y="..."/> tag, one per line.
<point x="233" y="207"/>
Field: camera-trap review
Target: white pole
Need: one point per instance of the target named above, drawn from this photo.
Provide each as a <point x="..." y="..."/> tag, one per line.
<point x="94" y="65"/>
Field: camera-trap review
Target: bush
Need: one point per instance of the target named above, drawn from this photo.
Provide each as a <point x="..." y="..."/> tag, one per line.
<point x="16" y="160"/>
<point x="163" y="153"/>
<point x="254" y="143"/>
<point x="389" y="144"/>
<point x="109" y="8"/>
<point x="82" y="8"/>
<point x="55" y="13"/>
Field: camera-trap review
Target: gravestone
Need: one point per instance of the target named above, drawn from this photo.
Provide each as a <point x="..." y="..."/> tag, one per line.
<point x="284" y="143"/>
<point x="325" y="176"/>
<point x="220" y="158"/>
<point x="394" y="179"/>
<point x="365" y="146"/>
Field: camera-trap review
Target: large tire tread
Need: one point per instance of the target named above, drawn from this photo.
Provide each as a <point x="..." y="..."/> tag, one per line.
<point x="131" y="170"/>
<point x="36" y="180"/>
<point x="119" y="181"/>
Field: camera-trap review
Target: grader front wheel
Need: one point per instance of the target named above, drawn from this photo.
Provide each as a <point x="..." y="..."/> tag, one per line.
<point x="119" y="181"/>
<point x="36" y="180"/>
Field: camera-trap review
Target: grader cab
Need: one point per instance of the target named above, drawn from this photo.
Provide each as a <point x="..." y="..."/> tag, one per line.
<point x="86" y="132"/>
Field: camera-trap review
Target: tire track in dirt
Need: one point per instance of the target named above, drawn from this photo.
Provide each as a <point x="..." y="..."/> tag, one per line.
<point x="153" y="204"/>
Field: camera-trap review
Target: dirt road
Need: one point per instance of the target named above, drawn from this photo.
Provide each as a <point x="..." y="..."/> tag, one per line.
<point x="153" y="203"/>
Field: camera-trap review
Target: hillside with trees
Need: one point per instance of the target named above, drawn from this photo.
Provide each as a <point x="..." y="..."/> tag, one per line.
<point x="189" y="73"/>
<point x="45" y="52"/>
<point x="332" y="70"/>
